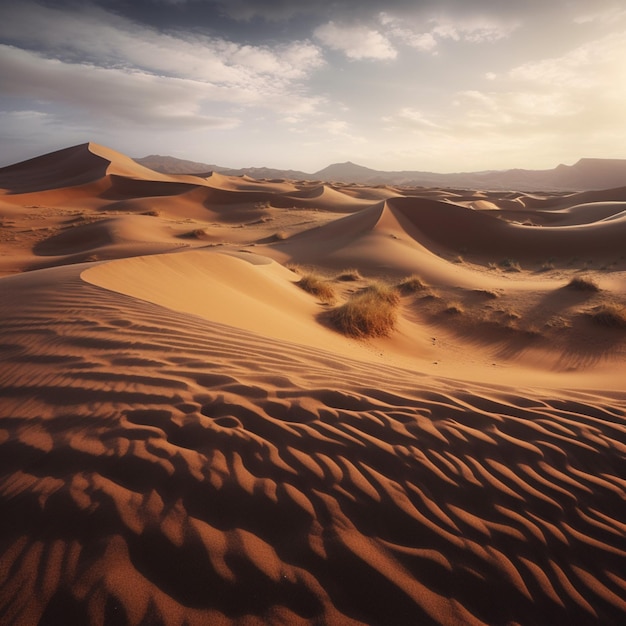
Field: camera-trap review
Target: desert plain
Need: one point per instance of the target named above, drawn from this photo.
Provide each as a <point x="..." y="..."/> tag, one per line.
<point x="236" y="401"/>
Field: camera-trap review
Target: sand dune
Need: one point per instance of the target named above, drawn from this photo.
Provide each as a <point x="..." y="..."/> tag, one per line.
<point x="185" y="437"/>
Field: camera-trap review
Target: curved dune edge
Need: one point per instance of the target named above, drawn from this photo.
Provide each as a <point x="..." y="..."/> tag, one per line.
<point x="161" y="468"/>
<point x="251" y="292"/>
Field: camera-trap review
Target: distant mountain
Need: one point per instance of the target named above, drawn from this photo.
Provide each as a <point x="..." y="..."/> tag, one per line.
<point x="172" y="165"/>
<point x="586" y="174"/>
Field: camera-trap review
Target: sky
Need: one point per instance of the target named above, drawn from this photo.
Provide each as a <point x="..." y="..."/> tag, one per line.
<point x="431" y="85"/>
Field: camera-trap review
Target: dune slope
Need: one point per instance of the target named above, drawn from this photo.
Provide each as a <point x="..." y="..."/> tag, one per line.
<point x="160" y="467"/>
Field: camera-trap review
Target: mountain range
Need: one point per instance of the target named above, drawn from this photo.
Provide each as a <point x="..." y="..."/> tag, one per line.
<point x="586" y="174"/>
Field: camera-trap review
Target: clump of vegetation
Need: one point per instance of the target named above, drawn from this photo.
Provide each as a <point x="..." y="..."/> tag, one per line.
<point x="583" y="283"/>
<point x="454" y="309"/>
<point x="486" y="293"/>
<point x="314" y="284"/>
<point x="281" y="235"/>
<point x="382" y="292"/>
<point x="510" y="265"/>
<point x="411" y="284"/>
<point x="350" y="275"/>
<point x="610" y="316"/>
<point x="372" y="312"/>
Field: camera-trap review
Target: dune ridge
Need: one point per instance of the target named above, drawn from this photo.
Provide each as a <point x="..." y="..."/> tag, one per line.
<point x="185" y="438"/>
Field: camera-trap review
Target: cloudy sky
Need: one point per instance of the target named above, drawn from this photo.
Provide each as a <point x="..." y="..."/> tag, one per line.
<point x="437" y="85"/>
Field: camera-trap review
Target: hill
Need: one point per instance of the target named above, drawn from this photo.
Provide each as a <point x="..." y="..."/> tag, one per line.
<point x="586" y="174"/>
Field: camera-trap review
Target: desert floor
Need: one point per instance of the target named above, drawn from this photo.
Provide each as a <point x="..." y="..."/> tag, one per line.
<point x="186" y="436"/>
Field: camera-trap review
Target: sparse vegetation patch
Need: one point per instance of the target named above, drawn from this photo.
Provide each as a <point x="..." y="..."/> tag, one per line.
<point x="372" y="312"/>
<point x="349" y="275"/>
<point x="610" y="316"/>
<point x="583" y="283"/>
<point x="317" y="286"/>
<point x="411" y="284"/>
<point x="510" y="265"/>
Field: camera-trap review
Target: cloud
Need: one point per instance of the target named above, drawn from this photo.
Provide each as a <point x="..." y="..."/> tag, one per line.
<point x="426" y="35"/>
<point x="131" y="96"/>
<point x="602" y="14"/>
<point x="356" y="41"/>
<point x="108" y="65"/>
<point x="93" y="35"/>
<point x="595" y="63"/>
<point x="412" y="119"/>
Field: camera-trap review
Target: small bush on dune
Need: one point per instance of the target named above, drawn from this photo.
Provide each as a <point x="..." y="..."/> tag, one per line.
<point x="454" y="309"/>
<point x="582" y="283"/>
<point x="486" y="293"/>
<point x="510" y="265"/>
<point x="382" y="292"/>
<point x="411" y="284"/>
<point x="317" y="286"/>
<point x="610" y="316"/>
<point x="370" y="313"/>
<point x="349" y="275"/>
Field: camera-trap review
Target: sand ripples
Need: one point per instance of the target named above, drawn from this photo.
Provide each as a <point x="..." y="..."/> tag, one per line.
<point x="154" y="465"/>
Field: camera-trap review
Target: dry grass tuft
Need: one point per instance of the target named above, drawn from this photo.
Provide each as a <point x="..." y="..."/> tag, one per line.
<point x="510" y="265"/>
<point x="486" y="293"/>
<point x="382" y="292"/>
<point x="350" y="275"/>
<point x="372" y="312"/>
<point x="411" y="284"/>
<point x="583" y="283"/>
<point x="281" y="235"/>
<point x="454" y="309"/>
<point x="610" y="316"/>
<point x="317" y="286"/>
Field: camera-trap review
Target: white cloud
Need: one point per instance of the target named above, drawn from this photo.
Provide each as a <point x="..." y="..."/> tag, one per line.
<point x="426" y="35"/>
<point x="411" y="119"/>
<point x="474" y="30"/>
<point x="90" y="65"/>
<point x="231" y="71"/>
<point x="605" y="15"/>
<point x="106" y="93"/>
<point x="598" y="63"/>
<point x="356" y="42"/>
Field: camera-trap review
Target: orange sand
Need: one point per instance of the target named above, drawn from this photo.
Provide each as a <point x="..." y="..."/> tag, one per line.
<point x="184" y="438"/>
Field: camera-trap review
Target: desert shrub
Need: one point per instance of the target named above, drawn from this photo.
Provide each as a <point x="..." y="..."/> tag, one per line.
<point x="411" y="284"/>
<point x="583" y="283"/>
<point x="317" y="286"/>
<point x="372" y="312"/>
<point x="486" y="293"/>
<point x="349" y="275"/>
<point x="510" y="265"/>
<point x="610" y="316"/>
<point x="281" y="235"/>
<point x="453" y="309"/>
<point x="383" y="292"/>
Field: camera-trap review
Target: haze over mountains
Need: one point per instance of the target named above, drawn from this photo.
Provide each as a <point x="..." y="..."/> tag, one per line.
<point x="586" y="174"/>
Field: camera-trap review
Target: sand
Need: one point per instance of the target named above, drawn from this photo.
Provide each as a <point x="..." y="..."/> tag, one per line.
<point x="185" y="438"/>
